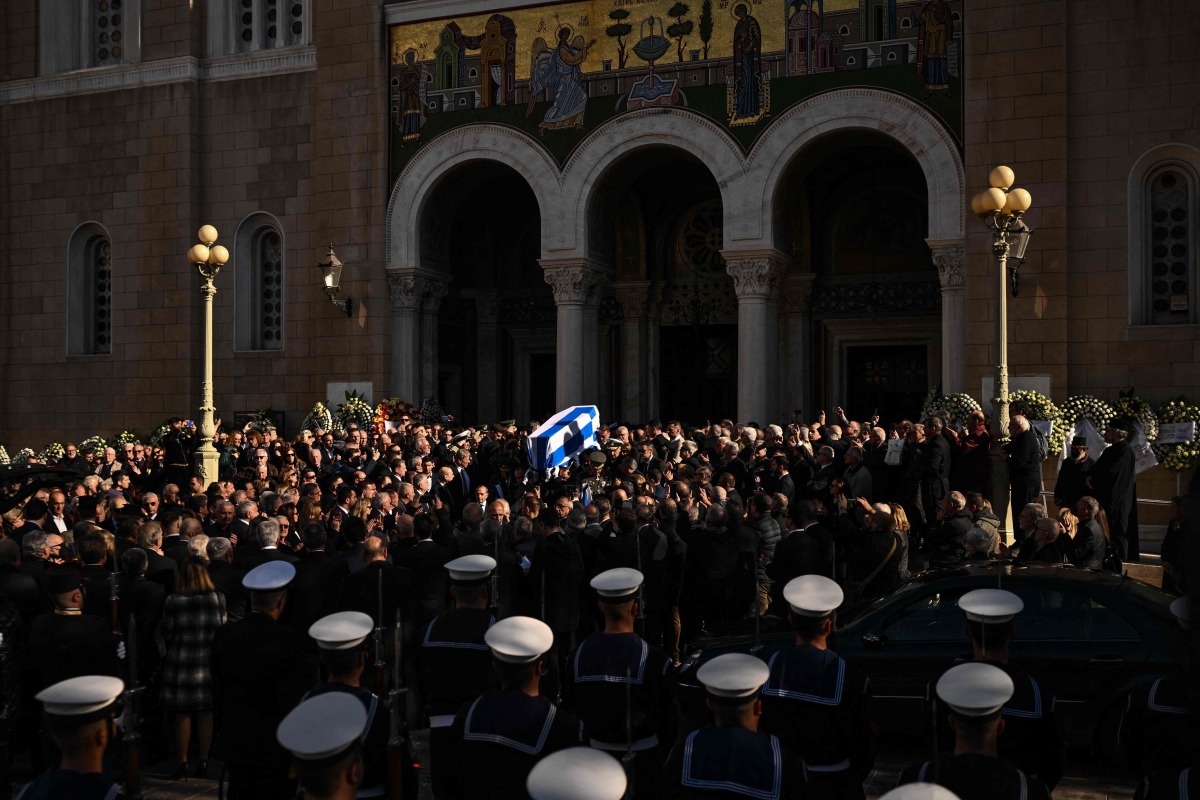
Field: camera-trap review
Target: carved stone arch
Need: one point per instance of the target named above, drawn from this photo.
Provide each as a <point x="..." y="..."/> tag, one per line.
<point x="899" y="118"/>
<point x="421" y="176"/>
<point x="664" y="127"/>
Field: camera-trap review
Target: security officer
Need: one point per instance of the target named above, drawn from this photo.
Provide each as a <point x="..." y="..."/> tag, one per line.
<point x="1160" y="729"/>
<point x="498" y="737"/>
<point x="1031" y="741"/>
<point x="341" y="641"/>
<point x="577" y="773"/>
<point x="814" y="701"/>
<point x="620" y="686"/>
<point x="261" y="669"/>
<point x="975" y="694"/>
<point x="732" y="758"/>
<point x="455" y="660"/>
<point x="324" y="736"/>
<point x="78" y="714"/>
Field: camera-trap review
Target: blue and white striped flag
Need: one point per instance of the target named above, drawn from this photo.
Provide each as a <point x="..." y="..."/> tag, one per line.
<point x="563" y="437"/>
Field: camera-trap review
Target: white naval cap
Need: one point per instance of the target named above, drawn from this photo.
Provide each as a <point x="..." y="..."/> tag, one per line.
<point x="269" y="577"/>
<point x="733" y="675"/>
<point x="577" y="773"/>
<point x="920" y="791"/>
<point x="813" y="595"/>
<point x="1181" y="607"/>
<point x="975" y="689"/>
<point x="990" y="606"/>
<point x="467" y="570"/>
<point x="341" y="631"/>
<point x="323" y="726"/>
<point x="617" y="584"/>
<point x="81" y="699"/>
<point x="519" y="640"/>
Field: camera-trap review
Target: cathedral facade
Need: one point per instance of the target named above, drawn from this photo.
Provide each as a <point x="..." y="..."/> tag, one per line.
<point x="677" y="209"/>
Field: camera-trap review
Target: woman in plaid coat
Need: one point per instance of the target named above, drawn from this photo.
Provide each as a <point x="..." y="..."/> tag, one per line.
<point x="190" y="619"/>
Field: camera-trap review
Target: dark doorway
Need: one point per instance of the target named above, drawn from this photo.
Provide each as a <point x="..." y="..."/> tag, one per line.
<point x="891" y="378"/>
<point x="698" y="371"/>
<point x="542" y="372"/>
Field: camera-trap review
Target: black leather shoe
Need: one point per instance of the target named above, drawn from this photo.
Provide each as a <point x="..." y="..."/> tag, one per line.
<point x="181" y="774"/>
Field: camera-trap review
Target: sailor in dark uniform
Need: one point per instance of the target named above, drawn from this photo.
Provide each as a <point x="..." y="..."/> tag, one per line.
<point x="920" y="791"/>
<point x="732" y="758"/>
<point x="79" y="717"/>
<point x="261" y="669"/>
<point x="324" y="737"/>
<point x="620" y="686"/>
<point x="577" y="773"/>
<point x="66" y="643"/>
<point x="1031" y="738"/>
<point x="341" y="640"/>
<point x="1160" y="729"/>
<point x="815" y="702"/>
<point x="498" y="737"/>
<point x="455" y="660"/>
<point x="975" y="694"/>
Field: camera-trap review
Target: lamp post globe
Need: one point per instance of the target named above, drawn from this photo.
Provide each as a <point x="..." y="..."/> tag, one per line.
<point x="208" y="257"/>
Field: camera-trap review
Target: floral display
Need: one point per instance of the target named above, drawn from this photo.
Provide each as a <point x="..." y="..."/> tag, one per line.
<point x="4" y="459"/>
<point x="1135" y="408"/>
<point x="1182" y="455"/>
<point x="160" y="433"/>
<point x="355" y="410"/>
<point x="431" y="412"/>
<point x="24" y="454"/>
<point x="318" y="418"/>
<point x="1036" y="406"/>
<point x="51" y="453"/>
<point x="94" y="443"/>
<point x="125" y="437"/>
<point x="392" y="409"/>
<point x="1080" y="406"/>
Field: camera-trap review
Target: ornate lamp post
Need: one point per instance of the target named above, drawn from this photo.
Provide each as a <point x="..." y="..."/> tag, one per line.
<point x="209" y="257"/>
<point x="1001" y="207"/>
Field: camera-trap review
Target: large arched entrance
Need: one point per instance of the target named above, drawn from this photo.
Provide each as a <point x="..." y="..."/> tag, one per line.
<point x="656" y="216"/>
<point x="480" y="228"/>
<point x="854" y="216"/>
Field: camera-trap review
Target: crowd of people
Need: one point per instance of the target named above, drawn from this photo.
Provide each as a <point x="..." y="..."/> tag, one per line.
<point x="431" y="535"/>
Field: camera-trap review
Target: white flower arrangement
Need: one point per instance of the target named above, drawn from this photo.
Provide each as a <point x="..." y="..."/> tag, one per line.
<point x="51" y="453"/>
<point x="1183" y="455"/>
<point x="1036" y="406"/>
<point x="94" y="443"/>
<point x="356" y="410"/>
<point x="160" y="433"/>
<point x="24" y="454"/>
<point x="126" y="437"/>
<point x="1135" y="408"/>
<point x="1080" y="406"/>
<point x="319" y="417"/>
<point x="933" y="402"/>
<point x="959" y="406"/>
<point x="4" y="459"/>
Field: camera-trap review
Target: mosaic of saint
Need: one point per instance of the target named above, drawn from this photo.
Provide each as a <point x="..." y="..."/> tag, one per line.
<point x="558" y="70"/>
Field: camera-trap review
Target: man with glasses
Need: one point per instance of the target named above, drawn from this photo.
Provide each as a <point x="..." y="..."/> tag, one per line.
<point x="72" y="459"/>
<point x="150" y="506"/>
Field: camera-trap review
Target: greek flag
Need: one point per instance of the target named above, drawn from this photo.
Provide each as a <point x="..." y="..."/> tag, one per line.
<point x="562" y="437"/>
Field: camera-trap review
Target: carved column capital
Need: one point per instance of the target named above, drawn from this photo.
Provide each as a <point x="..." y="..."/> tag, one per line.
<point x="950" y="260"/>
<point x="409" y="292"/>
<point x="574" y="284"/>
<point x="797" y="292"/>
<point x="635" y="298"/>
<point x="754" y="275"/>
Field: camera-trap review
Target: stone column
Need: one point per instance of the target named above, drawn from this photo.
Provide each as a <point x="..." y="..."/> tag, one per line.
<point x="572" y="283"/>
<point x="634" y="297"/>
<point x="431" y="301"/>
<point x="487" y="356"/>
<point x="406" y="300"/>
<point x="796" y="330"/>
<point x="756" y="277"/>
<point x="591" y="340"/>
<point x="950" y="260"/>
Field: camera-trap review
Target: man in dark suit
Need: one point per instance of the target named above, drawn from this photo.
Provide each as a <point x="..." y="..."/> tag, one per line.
<point x="461" y="487"/>
<point x="936" y="478"/>
<point x="66" y="643"/>
<point x="36" y="512"/>
<point x="1024" y="467"/>
<point x="807" y="549"/>
<point x="35" y="555"/>
<point x="1089" y="545"/>
<point x="226" y="577"/>
<point x="142" y="600"/>
<point x="240" y="529"/>
<point x="1112" y="483"/>
<point x="780" y="481"/>
<point x="267" y="537"/>
<point x="1044" y="548"/>
<point x="19" y="586"/>
<point x="160" y="569"/>
<point x="426" y="560"/>
<point x="261" y="670"/>
<point x="95" y="576"/>
<point x="319" y="576"/>
<point x="174" y="544"/>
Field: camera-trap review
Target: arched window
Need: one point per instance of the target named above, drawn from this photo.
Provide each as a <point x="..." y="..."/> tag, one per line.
<point x="89" y="291"/>
<point x="1164" y="187"/>
<point x="260" y="297"/>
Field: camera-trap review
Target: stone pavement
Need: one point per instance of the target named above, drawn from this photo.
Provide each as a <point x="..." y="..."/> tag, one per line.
<point x="1086" y="778"/>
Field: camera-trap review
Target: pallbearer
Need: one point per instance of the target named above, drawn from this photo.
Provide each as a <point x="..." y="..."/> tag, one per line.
<point x="324" y="736"/>
<point x="78" y="715"/>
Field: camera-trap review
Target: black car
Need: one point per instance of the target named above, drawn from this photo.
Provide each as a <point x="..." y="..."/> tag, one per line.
<point x="1088" y="637"/>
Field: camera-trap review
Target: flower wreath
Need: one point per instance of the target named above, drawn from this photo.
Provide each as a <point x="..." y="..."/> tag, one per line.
<point x="160" y="433"/>
<point x="390" y="410"/>
<point x="4" y="459"/>
<point x="1080" y="406"/>
<point x="1135" y="408"/>
<point x="24" y="454"/>
<point x="355" y="410"/>
<point x="51" y="453"/>
<point x="94" y="443"/>
<point x="1182" y="455"/>
<point x="319" y="417"/>
<point x="1036" y="406"/>
<point x="125" y="437"/>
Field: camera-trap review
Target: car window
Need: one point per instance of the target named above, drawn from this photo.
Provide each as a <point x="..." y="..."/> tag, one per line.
<point x="932" y="617"/>
<point x="1053" y="614"/>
